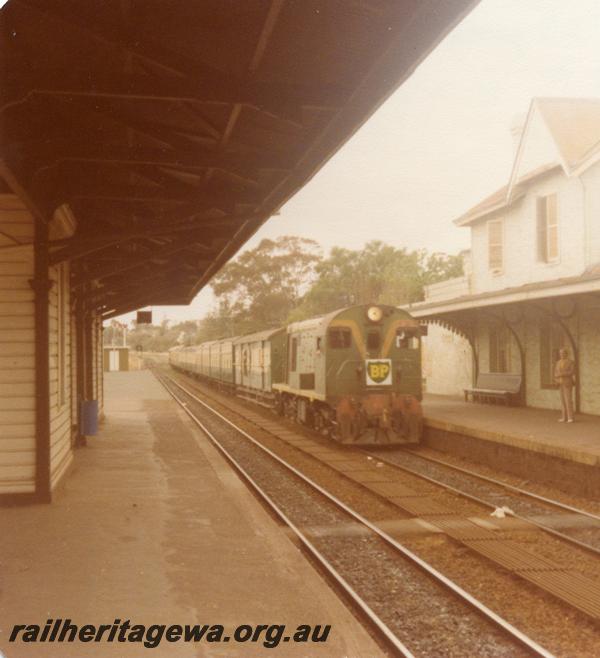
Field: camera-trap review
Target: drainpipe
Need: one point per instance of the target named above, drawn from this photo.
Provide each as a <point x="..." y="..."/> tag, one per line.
<point x="41" y="285"/>
<point x="88" y="324"/>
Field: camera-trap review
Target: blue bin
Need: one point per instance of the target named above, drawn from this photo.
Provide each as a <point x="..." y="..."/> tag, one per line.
<point x="89" y="417"/>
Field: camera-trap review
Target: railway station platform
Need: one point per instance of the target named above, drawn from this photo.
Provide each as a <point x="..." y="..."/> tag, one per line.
<point x="153" y="526"/>
<point x="524" y="441"/>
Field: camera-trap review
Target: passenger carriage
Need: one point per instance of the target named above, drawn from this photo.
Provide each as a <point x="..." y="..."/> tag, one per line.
<point x="259" y="363"/>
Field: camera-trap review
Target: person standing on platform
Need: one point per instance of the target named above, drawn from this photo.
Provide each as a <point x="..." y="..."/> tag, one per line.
<point x="564" y="375"/>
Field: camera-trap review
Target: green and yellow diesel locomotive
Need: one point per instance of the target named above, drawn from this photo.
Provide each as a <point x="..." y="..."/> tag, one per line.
<point x="353" y="374"/>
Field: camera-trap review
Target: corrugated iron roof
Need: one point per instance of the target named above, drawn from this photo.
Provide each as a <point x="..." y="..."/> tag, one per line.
<point x="173" y="130"/>
<point x="552" y="287"/>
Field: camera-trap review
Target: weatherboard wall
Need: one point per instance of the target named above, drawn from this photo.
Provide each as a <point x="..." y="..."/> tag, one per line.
<point x="18" y="358"/>
<point x="17" y="350"/>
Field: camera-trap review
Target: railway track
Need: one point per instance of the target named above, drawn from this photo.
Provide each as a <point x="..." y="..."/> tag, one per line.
<point x="573" y="589"/>
<point x="568" y="523"/>
<point x="568" y="578"/>
<point x="371" y="567"/>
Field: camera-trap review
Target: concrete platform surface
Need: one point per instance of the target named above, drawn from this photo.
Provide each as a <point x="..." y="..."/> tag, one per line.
<point x="535" y="430"/>
<point x="153" y="526"/>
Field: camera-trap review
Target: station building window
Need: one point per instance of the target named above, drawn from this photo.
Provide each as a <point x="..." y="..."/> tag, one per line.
<point x="495" y="245"/>
<point x="547" y="229"/>
<point x="340" y="338"/>
<point x="552" y="340"/>
<point x="499" y="346"/>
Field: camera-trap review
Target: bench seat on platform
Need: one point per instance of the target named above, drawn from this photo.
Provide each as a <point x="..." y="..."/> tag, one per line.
<point x="494" y="387"/>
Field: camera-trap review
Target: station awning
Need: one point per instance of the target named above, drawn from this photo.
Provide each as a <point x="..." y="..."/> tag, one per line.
<point x="587" y="283"/>
<point x="170" y="131"/>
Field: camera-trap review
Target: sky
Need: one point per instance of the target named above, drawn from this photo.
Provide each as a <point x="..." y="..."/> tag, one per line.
<point x="442" y="141"/>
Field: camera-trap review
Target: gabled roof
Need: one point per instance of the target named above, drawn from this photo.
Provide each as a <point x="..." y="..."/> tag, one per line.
<point x="498" y="200"/>
<point x="574" y="124"/>
<point x="571" y="126"/>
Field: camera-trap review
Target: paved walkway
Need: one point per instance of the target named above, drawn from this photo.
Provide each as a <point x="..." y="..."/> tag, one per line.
<point x="153" y="526"/>
<point x="532" y="429"/>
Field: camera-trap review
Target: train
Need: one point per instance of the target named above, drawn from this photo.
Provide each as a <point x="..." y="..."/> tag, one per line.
<point x="353" y="375"/>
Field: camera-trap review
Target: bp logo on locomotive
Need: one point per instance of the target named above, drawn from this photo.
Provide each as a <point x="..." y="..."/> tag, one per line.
<point x="379" y="372"/>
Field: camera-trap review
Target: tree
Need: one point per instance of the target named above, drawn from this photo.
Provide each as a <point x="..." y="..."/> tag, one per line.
<point x="260" y="288"/>
<point x="218" y="323"/>
<point x="439" y="267"/>
<point x="378" y="273"/>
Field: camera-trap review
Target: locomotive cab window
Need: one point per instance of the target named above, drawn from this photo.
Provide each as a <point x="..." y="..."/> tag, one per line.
<point x="340" y="338"/>
<point x="373" y="340"/>
<point x="407" y="340"/>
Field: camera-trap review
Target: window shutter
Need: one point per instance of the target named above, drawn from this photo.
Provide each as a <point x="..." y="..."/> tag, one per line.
<point x="552" y="228"/>
<point x="495" y="251"/>
<point x="542" y="240"/>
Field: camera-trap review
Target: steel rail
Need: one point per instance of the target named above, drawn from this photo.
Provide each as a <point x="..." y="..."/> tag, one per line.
<point x="465" y="494"/>
<point x="372" y="617"/>
<point x="506" y="485"/>
<point x="541" y="526"/>
<point x="481" y="608"/>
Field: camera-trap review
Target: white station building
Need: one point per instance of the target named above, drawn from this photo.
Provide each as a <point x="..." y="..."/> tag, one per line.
<point x="532" y="276"/>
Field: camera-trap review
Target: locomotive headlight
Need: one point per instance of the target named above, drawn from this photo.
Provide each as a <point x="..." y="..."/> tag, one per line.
<point x="374" y="313"/>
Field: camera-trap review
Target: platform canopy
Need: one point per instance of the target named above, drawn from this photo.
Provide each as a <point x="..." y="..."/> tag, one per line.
<point x="167" y="131"/>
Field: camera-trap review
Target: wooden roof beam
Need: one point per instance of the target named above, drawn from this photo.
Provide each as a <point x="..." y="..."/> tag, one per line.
<point x="79" y="248"/>
<point x="143" y="298"/>
<point x="134" y="305"/>
<point x="141" y="285"/>
<point x="151" y="53"/>
<point x="126" y="265"/>
<point x="87" y="107"/>
<point x="216" y="86"/>
<point x="167" y="295"/>
<point x="191" y="202"/>
<point x="55" y="153"/>
<point x="137" y="288"/>
<point x="273" y="12"/>
<point x="273" y="97"/>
